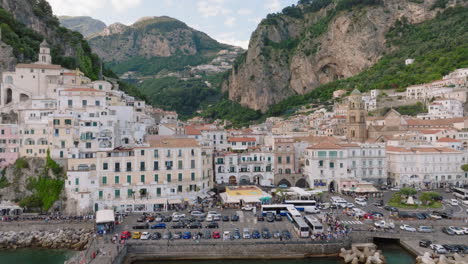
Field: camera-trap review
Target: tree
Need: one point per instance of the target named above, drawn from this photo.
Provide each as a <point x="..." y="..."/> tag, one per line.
<point x="428" y="198"/>
<point x="408" y="191"/>
<point x="464" y="167"/>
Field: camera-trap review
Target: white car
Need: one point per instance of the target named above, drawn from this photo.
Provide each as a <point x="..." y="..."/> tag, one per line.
<point x="349" y="205"/>
<point x="465" y="229"/>
<point x="246" y="234"/>
<point x="209" y="218"/>
<point x="361" y="202"/>
<point x="408" y="228"/>
<point x="434" y="216"/>
<point x="383" y="224"/>
<point x="197" y="213"/>
<point x="214" y="213"/>
<point x="311" y="210"/>
<point x="158" y="218"/>
<point x="453" y="202"/>
<point x="457" y="230"/>
<point x="247" y="208"/>
<point x="145" y="236"/>
<point x="439" y="249"/>
<point x="226" y="235"/>
<point x="179" y="215"/>
<point x="395" y="189"/>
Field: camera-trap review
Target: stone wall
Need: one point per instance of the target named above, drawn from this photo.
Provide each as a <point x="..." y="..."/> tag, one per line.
<point x="140" y="251"/>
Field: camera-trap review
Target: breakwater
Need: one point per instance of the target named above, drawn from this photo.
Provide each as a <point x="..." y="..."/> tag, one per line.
<point x="76" y="239"/>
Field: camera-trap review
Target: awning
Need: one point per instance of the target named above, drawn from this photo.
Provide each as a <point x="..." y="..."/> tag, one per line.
<point x="159" y="201"/>
<point x="228" y="199"/>
<point x="248" y="199"/>
<point x="174" y="201"/>
<point x="366" y="189"/>
<point x="105" y="216"/>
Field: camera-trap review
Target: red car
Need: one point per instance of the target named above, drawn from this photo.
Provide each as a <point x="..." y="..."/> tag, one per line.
<point x="125" y="235"/>
<point x="216" y="235"/>
<point x="368" y="216"/>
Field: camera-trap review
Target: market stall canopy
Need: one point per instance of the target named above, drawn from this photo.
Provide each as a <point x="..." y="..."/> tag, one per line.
<point x="174" y="201"/>
<point x="105" y="216"/>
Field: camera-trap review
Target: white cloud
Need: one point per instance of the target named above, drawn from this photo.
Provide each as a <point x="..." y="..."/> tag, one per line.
<point x="273" y="6"/>
<point x="122" y="5"/>
<point x="76" y="8"/>
<point x="209" y="8"/>
<point x="244" y="11"/>
<point x="230" y="21"/>
<point x="230" y="38"/>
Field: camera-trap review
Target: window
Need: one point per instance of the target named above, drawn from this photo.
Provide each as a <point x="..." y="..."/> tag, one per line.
<point x="156" y="177"/>
<point x="117" y="166"/>
<point x="68" y="122"/>
<point x="142" y="178"/>
<point x="104" y="180"/>
<point x="88" y="145"/>
<point x="100" y="194"/>
<point x="156" y="153"/>
<point x="280" y="160"/>
<point x="322" y="153"/>
<point x="142" y="152"/>
<point x="142" y="166"/>
<point x="70" y="103"/>
<point x="168" y="177"/>
<point x="179" y="188"/>
<point x="129" y="178"/>
<point x="129" y="166"/>
<point x="117" y="194"/>
<point x="180" y="153"/>
<point x="169" y="165"/>
<point x="332" y="165"/>
<point x="333" y="154"/>
<point x="179" y="165"/>
<point x="98" y="103"/>
<point x="192" y="164"/>
<point x="192" y="176"/>
<point x="320" y="163"/>
<point x="180" y="176"/>
<point x="116" y="179"/>
<point x="129" y="193"/>
<point x="85" y="102"/>
<point x="288" y="160"/>
<point x="77" y="181"/>
<point x="105" y="166"/>
<point x="158" y="192"/>
<point x="156" y="165"/>
<point x="168" y="153"/>
<point x="56" y="121"/>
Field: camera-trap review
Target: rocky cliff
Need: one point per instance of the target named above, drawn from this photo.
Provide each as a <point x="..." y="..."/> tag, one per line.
<point x="84" y="24"/>
<point x="25" y="23"/>
<point x="314" y="43"/>
<point x="151" y="37"/>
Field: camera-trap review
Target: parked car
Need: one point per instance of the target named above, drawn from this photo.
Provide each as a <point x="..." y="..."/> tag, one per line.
<point x="435" y="216"/>
<point x="454" y="202"/>
<point x="136" y="235"/>
<point x="197" y="213"/>
<point x="195" y="225"/>
<point x="141" y="226"/>
<point x="234" y="218"/>
<point x="425" y="243"/>
<point x="187" y="235"/>
<point x="209" y="218"/>
<point x="178" y="235"/>
<point x="158" y="218"/>
<point x="377" y="215"/>
<point x="278" y="217"/>
<point x="270" y="217"/>
<point x="312" y="210"/>
<point x="439" y="249"/>
<point x="451" y="248"/>
<point x="419" y="216"/>
<point x="407" y="228"/>
<point x="180" y="215"/>
<point x="276" y="234"/>
<point x="167" y="218"/>
<point x="448" y="231"/>
<point x="462" y="248"/>
<point x="395" y="189"/>
<point x="457" y="230"/>
<point x="384" y="224"/>
<point x="247" y="207"/>
<point x="391" y="208"/>
<point x="465" y="229"/>
<point x="156" y="236"/>
<point x="236" y="234"/>
<point x="260" y="218"/>
<point x="167" y="235"/>
<point x="226" y="235"/>
<point x="145" y="236"/>
<point x="207" y="234"/>
<point x="266" y="233"/>
<point x="140" y="219"/>
<point x="256" y="234"/>
<point x="425" y="229"/>
<point x="246" y="233"/>
<point x="216" y="235"/>
<point x="178" y="225"/>
<point x="158" y="226"/>
<point x="378" y="203"/>
<point x="360" y="201"/>
<point x="286" y="235"/>
<point x="324" y="206"/>
<point x="225" y="218"/>
<point x="150" y="218"/>
<point x="125" y="235"/>
<point x="212" y="225"/>
<point x="368" y="216"/>
<point x="442" y="214"/>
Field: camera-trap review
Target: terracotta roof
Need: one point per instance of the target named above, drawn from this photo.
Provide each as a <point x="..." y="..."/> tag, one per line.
<point x="173" y="143"/>
<point x="435" y="122"/>
<point x="190" y="130"/>
<point x="349" y="145"/>
<point x="241" y="139"/>
<point x="325" y="145"/>
<point x="427" y="131"/>
<point x="39" y="66"/>
<point x="70" y="74"/>
<point x="447" y="139"/>
<point x="397" y="149"/>
<point x="317" y="139"/>
<point x="421" y="149"/>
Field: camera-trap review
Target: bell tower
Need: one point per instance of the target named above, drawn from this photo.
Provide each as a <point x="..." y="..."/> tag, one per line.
<point x="44" y="53"/>
<point x="356" y="118"/>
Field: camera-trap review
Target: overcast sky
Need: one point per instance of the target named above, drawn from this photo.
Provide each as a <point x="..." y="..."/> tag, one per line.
<point x="228" y="21"/>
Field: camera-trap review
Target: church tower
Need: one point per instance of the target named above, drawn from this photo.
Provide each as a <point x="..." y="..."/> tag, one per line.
<point x="356" y="118"/>
<point x="44" y="53"/>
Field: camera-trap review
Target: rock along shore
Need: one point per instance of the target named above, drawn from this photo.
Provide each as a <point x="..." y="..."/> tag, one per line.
<point x="76" y="239"/>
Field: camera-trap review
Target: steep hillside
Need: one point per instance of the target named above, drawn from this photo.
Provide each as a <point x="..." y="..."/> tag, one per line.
<point x="317" y="42"/>
<point x="25" y="23"/>
<point x="85" y="25"/>
<point x="132" y="48"/>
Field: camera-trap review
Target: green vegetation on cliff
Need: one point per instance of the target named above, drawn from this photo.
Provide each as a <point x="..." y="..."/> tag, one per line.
<point x="25" y="41"/>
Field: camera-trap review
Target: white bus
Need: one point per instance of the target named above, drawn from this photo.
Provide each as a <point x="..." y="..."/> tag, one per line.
<point x="281" y="209"/>
<point x="301" y="227"/>
<point x="461" y="194"/>
<point x="301" y="205"/>
<point x="314" y="224"/>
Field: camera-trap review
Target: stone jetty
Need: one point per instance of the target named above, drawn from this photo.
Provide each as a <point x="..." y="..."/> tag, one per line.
<point x="428" y="259"/>
<point x="76" y="239"/>
<point x="362" y="254"/>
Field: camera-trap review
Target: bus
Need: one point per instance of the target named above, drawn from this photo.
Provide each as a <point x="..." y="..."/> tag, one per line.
<point x="301" y="204"/>
<point x="461" y="194"/>
<point x="281" y="209"/>
<point x="314" y="224"/>
<point x="293" y="212"/>
<point x="301" y="227"/>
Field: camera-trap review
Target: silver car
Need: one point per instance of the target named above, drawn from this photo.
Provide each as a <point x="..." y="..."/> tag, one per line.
<point x="246" y="234"/>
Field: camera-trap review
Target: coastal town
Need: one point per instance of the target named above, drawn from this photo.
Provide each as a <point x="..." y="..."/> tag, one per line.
<point x="356" y="163"/>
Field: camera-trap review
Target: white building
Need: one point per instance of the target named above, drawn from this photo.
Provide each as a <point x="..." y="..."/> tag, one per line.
<point x="443" y="108"/>
<point x="425" y="167"/>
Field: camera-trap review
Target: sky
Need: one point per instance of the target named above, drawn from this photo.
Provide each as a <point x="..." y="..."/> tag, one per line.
<point x="228" y="21"/>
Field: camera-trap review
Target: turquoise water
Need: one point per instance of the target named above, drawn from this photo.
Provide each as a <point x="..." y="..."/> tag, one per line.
<point x="35" y="256"/>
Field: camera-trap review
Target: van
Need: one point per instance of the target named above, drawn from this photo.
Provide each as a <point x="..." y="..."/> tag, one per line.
<point x="311" y="210"/>
<point x="453" y="202"/>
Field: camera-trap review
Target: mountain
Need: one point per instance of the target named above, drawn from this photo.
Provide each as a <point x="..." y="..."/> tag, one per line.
<point x="152" y="37"/>
<point x="26" y="23"/>
<point x="317" y="42"/>
<point x="84" y="24"/>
